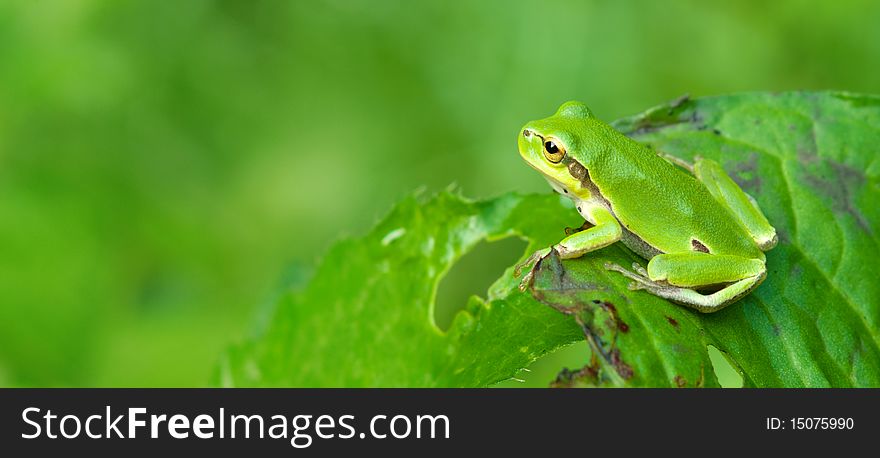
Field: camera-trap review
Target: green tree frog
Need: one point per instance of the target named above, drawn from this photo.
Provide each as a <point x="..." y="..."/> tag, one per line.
<point x="703" y="236"/>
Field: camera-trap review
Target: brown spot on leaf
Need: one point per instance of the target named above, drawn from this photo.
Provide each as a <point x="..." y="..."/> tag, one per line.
<point x="614" y="319"/>
<point x="599" y="321"/>
<point x="839" y="189"/>
<point x="568" y="378"/>
<point x="806" y="157"/>
<point x="680" y="381"/>
<point x="745" y="174"/>
<point x="807" y="149"/>
<point x="672" y="321"/>
<point x="679" y="111"/>
<point x="702" y="378"/>
<point x="653" y="124"/>
<point x="552" y="277"/>
<point x="623" y="369"/>
<point x="678" y="102"/>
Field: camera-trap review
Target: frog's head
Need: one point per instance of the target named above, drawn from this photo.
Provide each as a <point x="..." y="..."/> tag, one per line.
<point x="559" y="146"/>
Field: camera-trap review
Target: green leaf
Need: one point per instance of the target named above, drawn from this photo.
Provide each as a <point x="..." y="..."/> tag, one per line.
<point x="365" y="319"/>
<point x="810" y="159"/>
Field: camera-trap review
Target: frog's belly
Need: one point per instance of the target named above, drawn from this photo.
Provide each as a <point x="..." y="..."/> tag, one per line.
<point x="637" y="245"/>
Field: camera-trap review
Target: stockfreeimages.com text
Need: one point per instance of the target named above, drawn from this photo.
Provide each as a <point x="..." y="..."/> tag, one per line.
<point x="299" y="429"/>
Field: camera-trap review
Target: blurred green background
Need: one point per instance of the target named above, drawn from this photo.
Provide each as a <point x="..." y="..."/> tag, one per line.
<point x="168" y="167"/>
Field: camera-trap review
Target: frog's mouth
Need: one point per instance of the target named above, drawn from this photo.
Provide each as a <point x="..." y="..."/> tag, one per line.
<point x="527" y="146"/>
<point x="532" y="165"/>
<point x="531" y="146"/>
<point x="554" y="183"/>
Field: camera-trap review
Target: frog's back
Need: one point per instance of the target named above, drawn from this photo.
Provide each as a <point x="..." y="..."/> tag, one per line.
<point x="665" y="206"/>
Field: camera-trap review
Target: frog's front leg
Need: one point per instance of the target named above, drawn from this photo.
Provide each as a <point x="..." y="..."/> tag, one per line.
<point x="678" y="276"/>
<point x="605" y="232"/>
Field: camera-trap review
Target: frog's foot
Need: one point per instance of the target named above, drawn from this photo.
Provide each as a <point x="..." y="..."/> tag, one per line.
<point x="735" y="284"/>
<point x="640" y="277"/>
<point x="532" y="261"/>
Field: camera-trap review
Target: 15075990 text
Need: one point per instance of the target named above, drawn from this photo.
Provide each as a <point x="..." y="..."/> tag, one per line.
<point x="809" y="423"/>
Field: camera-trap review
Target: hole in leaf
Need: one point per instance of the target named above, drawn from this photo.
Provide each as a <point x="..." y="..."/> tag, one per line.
<point x="472" y="275"/>
<point x="727" y="375"/>
<point x="545" y="369"/>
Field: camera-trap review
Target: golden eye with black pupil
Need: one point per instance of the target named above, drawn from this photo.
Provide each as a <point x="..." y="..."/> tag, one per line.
<point x="553" y="151"/>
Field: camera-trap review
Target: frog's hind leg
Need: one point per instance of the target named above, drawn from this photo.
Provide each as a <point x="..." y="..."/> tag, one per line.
<point x="728" y="193"/>
<point x="743" y="206"/>
<point x="678" y="276"/>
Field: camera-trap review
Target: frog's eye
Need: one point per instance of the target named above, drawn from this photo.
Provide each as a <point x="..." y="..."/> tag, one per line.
<point x="553" y="151"/>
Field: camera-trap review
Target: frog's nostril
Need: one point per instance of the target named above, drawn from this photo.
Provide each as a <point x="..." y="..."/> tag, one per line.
<point x="527" y="133"/>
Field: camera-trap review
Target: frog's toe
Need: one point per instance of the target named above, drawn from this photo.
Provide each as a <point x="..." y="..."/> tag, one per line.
<point x="640" y="270"/>
<point x="621" y="269"/>
<point x="635" y="286"/>
<point x="518" y="269"/>
<point x="527" y="281"/>
<point x="639" y="277"/>
<point x="532" y="262"/>
<point x="611" y="266"/>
